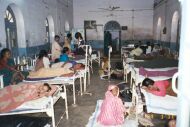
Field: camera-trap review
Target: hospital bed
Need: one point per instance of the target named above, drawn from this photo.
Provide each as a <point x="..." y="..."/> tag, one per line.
<point x="44" y="104"/>
<point x="62" y="80"/>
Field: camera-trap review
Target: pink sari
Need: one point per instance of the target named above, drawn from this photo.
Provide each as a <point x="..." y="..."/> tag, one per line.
<point x="13" y="96"/>
<point x="112" y="109"/>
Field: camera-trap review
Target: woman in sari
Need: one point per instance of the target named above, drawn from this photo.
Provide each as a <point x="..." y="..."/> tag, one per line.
<point x="8" y="68"/>
<point x="112" y="109"/>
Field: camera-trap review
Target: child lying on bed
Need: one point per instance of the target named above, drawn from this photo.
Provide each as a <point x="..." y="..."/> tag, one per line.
<point x="14" y="95"/>
<point x="159" y="88"/>
<point x="112" y="110"/>
<point x="66" y="69"/>
<point x="68" y="65"/>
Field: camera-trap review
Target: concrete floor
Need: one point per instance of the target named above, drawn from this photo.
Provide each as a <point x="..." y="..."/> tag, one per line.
<point x="78" y="116"/>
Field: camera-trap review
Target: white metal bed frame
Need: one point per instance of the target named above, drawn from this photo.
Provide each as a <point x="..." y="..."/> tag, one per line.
<point x="49" y="110"/>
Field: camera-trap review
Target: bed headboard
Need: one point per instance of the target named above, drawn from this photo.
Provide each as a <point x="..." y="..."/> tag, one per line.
<point x="1" y="82"/>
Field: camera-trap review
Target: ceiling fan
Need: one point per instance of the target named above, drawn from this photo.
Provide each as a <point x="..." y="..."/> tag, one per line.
<point x="110" y="8"/>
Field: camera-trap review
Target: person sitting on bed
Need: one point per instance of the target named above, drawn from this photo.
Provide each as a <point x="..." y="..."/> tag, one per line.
<point x="73" y="65"/>
<point x="8" y="68"/>
<point x="42" y="61"/>
<point x="137" y="51"/>
<point x="56" y="48"/>
<point x="67" y="43"/>
<point x="158" y="88"/>
<point x="68" y="65"/>
<point x="14" y="95"/>
<point x="112" y="110"/>
<point x="149" y="48"/>
<point x="79" y="50"/>
<point x="64" y="56"/>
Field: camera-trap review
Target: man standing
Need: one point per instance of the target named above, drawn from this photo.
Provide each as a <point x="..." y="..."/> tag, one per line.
<point x="56" y="48"/>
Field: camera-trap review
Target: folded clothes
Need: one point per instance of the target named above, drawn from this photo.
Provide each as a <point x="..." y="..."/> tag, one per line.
<point x="168" y="73"/>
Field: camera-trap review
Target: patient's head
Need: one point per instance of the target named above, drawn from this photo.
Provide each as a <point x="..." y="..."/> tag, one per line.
<point x="78" y="66"/>
<point x="114" y="90"/>
<point x="45" y="88"/>
<point x="65" y="50"/>
<point x="172" y="123"/>
<point x="147" y="83"/>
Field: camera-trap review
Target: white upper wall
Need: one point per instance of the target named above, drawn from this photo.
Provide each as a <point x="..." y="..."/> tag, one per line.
<point x="34" y="13"/>
<point x="143" y="21"/>
<point x="165" y="10"/>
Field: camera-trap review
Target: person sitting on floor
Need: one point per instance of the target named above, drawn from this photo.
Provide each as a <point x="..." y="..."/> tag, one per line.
<point x="42" y="61"/>
<point x="104" y="69"/>
<point x="158" y="88"/>
<point x="9" y="70"/>
<point x="112" y="110"/>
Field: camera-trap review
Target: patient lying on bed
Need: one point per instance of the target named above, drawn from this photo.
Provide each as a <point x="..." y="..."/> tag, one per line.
<point x="159" y="88"/>
<point x="112" y="110"/>
<point x="14" y="95"/>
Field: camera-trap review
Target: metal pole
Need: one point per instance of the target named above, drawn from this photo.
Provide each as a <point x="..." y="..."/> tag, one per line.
<point x="183" y="116"/>
<point x="133" y="11"/>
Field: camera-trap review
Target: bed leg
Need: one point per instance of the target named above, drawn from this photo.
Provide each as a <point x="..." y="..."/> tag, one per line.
<point x="81" y="92"/>
<point x="91" y="66"/>
<point x="85" y="82"/>
<point x="66" y="104"/>
<point x="52" y="113"/>
<point x="99" y="58"/>
<point x="74" y="96"/>
<point x="89" y="78"/>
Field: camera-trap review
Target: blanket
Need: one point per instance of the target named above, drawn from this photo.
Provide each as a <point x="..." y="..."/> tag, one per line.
<point x="168" y="73"/>
<point x="15" y="95"/>
<point x="160" y="62"/>
<point x="49" y="72"/>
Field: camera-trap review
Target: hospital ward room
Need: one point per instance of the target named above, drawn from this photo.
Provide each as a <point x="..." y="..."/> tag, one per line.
<point x="94" y="63"/>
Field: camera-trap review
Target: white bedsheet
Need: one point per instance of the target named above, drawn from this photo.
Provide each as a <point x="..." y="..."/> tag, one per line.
<point x="93" y="119"/>
<point x="54" y="80"/>
<point x="160" y="105"/>
<point x="41" y="103"/>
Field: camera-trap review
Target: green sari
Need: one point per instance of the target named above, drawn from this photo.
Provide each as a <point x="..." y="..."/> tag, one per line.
<point x="8" y="74"/>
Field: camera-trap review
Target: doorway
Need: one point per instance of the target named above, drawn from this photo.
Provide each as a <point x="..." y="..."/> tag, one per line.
<point x="112" y="37"/>
<point x="11" y="31"/>
<point x="175" y="32"/>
